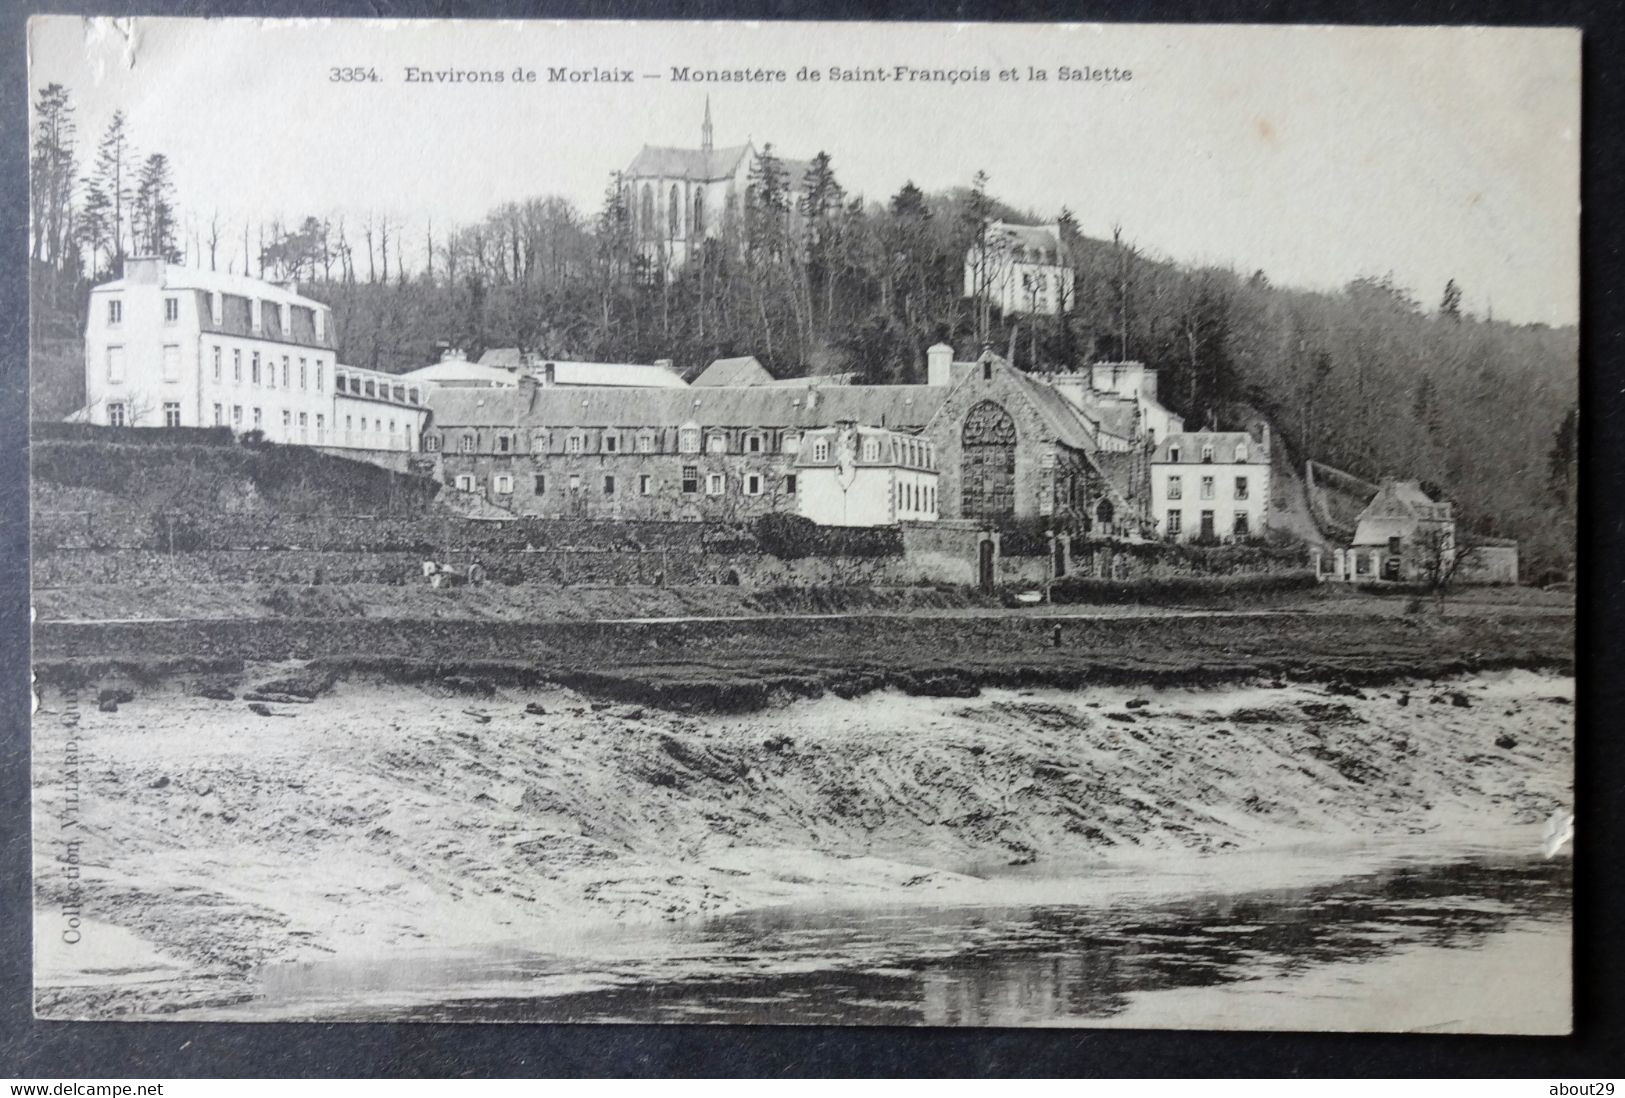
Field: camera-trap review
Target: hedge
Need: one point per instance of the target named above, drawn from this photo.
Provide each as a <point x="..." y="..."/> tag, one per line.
<point x="791" y="537"/>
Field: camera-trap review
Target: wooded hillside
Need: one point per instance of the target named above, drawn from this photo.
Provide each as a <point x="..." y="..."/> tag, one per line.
<point x="1367" y="378"/>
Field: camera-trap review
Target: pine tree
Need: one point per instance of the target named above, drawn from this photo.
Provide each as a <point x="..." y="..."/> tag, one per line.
<point x="52" y="174"/>
<point x="1450" y="303"/>
<point x="153" y="211"/>
<point x="113" y="177"/>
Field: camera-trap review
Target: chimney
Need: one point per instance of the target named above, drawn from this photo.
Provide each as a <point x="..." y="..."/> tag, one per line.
<point x="1266" y="442"/>
<point x="549" y="374"/>
<point x="144" y="270"/>
<point x="528" y="388"/>
<point x="666" y="364"/>
<point x="939" y="364"/>
<point x="320" y="316"/>
<point x="812" y="397"/>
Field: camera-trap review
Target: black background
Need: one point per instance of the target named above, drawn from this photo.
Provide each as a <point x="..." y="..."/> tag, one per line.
<point x="31" y="1049"/>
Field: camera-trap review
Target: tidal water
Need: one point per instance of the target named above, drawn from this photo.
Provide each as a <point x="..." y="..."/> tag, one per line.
<point x="1460" y="932"/>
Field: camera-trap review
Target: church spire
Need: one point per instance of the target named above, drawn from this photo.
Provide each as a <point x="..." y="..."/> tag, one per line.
<point x="705" y="130"/>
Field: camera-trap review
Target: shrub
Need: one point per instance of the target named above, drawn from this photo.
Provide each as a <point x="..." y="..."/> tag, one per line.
<point x="791" y="537"/>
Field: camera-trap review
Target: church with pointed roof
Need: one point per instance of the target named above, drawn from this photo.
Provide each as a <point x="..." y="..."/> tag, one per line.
<point x="679" y="197"/>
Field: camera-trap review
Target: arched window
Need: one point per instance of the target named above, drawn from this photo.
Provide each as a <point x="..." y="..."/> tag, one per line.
<point x="697" y="224"/>
<point x="646" y="216"/>
<point x="674" y="214"/>
<point x="1105" y="513"/>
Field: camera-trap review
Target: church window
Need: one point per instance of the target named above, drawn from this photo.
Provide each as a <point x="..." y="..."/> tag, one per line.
<point x="697" y="226"/>
<point x="646" y="215"/>
<point x="674" y="213"/>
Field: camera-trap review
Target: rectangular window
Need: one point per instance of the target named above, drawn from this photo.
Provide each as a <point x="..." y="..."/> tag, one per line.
<point x="539" y="484"/>
<point x="236" y="415"/>
<point x="1242" y="528"/>
<point x="431" y="443"/>
<point x="753" y="444"/>
<point x="321" y="421"/>
<point x="609" y="485"/>
<point x="115" y="365"/>
<point x="1207" y="525"/>
<point x="115" y="312"/>
<point x="1393" y="547"/>
<point x="115" y="414"/>
<point x="270" y="373"/>
<point x="504" y="442"/>
<point x="714" y="484"/>
<point x="236" y="367"/>
<point x="1176" y="488"/>
<point x="821" y="451"/>
<point x="172" y="310"/>
<point x="287" y="418"/>
<point x="1362" y="563"/>
<point x="172" y="413"/>
<point x="318" y="377"/>
<point x="304" y="377"/>
<point x="216" y="361"/>
<point x="871" y="449"/>
<point x="790" y="484"/>
<point x="612" y="444"/>
<point x="691" y="479"/>
<point x="717" y="444"/>
<point x="504" y="484"/>
<point x="254" y="368"/>
<point x="304" y="420"/>
<point x="465" y="482"/>
<point x="688" y="441"/>
<point x="572" y="445"/>
<point x="646" y="444"/>
<point x="753" y="485"/>
<point x="1241" y="487"/>
<point x="219" y="416"/>
<point x="259" y="419"/>
<point x="1207" y="487"/>
<point x="285" y="371"/>
<point x="645" y="484"/>
<point x="575" y="483"/>
<point x="467" y="445"/>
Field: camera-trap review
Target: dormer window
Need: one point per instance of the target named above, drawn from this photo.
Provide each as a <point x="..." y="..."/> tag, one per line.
<point x="573" y="444"/>
<point x="1241" y="451"/>
<point x="538" y="442"/>
<point x="716" y="443"/>
<point x="821" y="450"/>
<point x="256" y="318"/>
<point x="871" y="450"/>
<point x="115" y="312"/>
<point x="792" y="444"/>
<point x="1173" y="454"/>
<point x="753" y="444"/>
<point x="466" y="445"/>
<point x="688" y="440"/>
<point x="1207" y="454"/>
<point x="646" y="442"/>
<point x="215" y="304"/>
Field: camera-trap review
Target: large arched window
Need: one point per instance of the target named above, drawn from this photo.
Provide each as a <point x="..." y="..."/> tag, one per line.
<point x="646" y="215"/>
<point x="987" y="463"/>
<point x="697" y="225"/>
<point x="674" y="214"/>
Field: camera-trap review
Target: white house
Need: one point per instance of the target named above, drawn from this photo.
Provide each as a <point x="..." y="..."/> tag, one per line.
<point x="865" y="476"/>
<point x="1210" y="486"/>
<point x="169" y="346"/>
<point x="373" y="410"/>
<point x="1021" y="269"/>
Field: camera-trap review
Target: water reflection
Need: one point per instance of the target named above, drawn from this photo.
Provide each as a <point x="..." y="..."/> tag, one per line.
<point x="1009" y="966"/>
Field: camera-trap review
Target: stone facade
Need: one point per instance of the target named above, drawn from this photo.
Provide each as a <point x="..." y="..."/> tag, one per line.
<point x="1003" y="452"/>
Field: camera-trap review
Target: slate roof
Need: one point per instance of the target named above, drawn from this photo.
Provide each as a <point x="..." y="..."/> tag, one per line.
<point x="741" y="370"/>
<point x="904" y="407"/>
<point x="655" y="161"/>
<point x="461" y="372"/>
<point x="1043" y="238"/>
<point x="1224" y="445"/>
